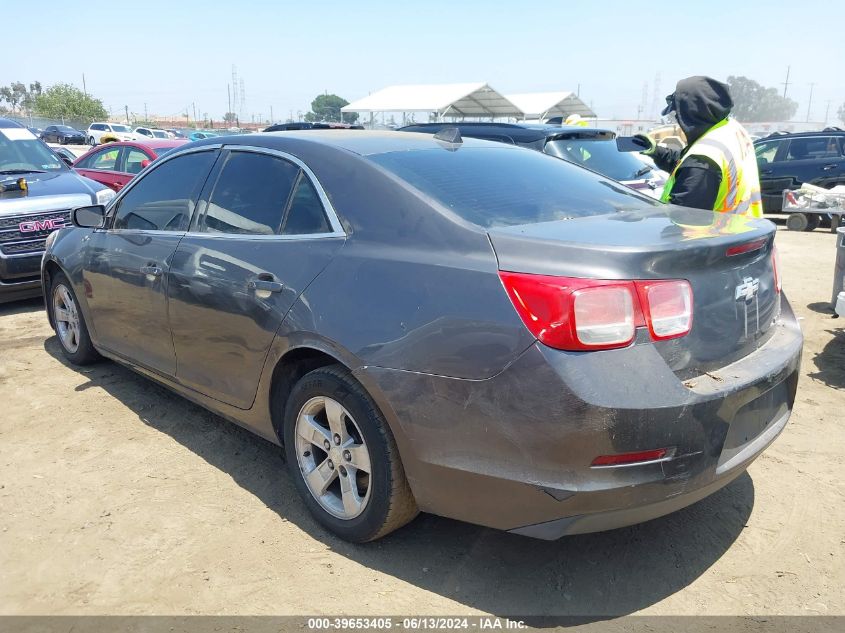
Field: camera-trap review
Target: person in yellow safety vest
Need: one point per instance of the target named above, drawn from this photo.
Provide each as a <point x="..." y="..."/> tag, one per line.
<point x="576" y="120"/>
<point x="718" y="169"/>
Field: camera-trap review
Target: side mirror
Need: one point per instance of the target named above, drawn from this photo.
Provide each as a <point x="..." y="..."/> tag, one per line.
<point x="92" y="217"/>
<point x="145" y="163"/>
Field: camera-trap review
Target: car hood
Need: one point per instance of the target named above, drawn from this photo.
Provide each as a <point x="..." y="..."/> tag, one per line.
<point x="61" y="190"/>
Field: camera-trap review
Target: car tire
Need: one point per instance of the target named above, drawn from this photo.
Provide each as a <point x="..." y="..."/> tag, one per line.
<point x="797" y="222"/>
<point x="382" y="500"/>
<point x="91" y="141"/>
<point x="813" y="222"/>
<point x="69" y="323"/>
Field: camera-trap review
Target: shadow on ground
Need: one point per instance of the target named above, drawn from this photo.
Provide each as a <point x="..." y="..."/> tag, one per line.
<point x="821" y="307"/>
<point x="587" y="576"/>
<point x="831" y="361"/>
<point x="21" y="307"/>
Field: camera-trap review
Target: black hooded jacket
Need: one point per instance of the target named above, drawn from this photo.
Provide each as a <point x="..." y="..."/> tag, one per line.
<point x="700" y="103"/>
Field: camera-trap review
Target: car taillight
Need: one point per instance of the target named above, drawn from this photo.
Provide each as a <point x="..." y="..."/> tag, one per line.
<point x="667" y="307"/>
<point x="604" y="316"/>
<point x="592" y="314"/>
<point x="776" y="268"/>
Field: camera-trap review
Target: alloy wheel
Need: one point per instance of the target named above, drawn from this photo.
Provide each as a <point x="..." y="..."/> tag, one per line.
<point x="66" y="316"/>
<point x="333" y="457"/>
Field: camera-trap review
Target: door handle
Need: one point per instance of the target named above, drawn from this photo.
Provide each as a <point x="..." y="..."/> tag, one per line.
<point x="829" y="167"/>
<point x="766" y="171"/>
<point x="265" y="285"/>
<point x="155" y="271"/>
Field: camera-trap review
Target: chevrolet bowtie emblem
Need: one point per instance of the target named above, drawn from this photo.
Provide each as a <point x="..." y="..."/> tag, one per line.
<point x="747" y="290"/>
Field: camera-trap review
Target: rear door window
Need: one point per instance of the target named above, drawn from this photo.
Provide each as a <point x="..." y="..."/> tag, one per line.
<point x="502" y="186"/>
<point x="305" y="213"/>
<point x="164" y="199"/>
<point x="250" y="195"/>
<point x="813" y="148"/>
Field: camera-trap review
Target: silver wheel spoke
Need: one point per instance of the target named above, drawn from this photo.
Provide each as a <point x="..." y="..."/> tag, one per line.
<point x="334" y="413"/>
<point x="310" y="431"/>
<point x="61" y="314"/>
<point x="360" y="458"/>
<point x="66" y="298"/>
<point x="352" y="501"/>
<point x="321" y="477"/>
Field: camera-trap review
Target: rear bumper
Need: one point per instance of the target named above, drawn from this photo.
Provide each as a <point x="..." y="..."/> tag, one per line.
<point x="514" y="452"/>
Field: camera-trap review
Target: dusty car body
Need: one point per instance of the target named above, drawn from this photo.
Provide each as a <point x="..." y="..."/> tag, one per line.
<point x="470" y="329"/>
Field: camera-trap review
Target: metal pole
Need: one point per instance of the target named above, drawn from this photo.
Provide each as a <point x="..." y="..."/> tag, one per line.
<point x="810" y="102"/>
<point x="786" y="83"/>
<point x="84" y="89"/>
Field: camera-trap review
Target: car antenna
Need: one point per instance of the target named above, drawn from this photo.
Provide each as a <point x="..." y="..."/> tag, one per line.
<point x="449" y="134"/>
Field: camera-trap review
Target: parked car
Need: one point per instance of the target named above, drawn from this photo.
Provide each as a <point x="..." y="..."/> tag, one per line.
<point x="786" y="161"/>
<point x="115" y="164"/>
<point x="117" y="131"/>
<point x="469" y="329"/>
<point x="198" y="135"/>
<point x="305" y="125"/>
<point x="174" y="133"/>
<point x="588" y="147"/>
<point x="67" y="156"/>
<point x="62" y="134"/>
<point x="151" y="132"/>
<point x="37" y="191"/>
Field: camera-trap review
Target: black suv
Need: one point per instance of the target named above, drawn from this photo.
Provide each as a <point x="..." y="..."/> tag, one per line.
<point x="786" y="161"/>
<point x="588" y="147"/>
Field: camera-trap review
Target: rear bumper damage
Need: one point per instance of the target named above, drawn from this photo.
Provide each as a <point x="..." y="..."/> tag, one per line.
<point x="514" y="452"/>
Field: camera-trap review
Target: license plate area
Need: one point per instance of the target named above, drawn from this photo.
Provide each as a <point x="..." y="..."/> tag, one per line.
<point x="754" y="418"/>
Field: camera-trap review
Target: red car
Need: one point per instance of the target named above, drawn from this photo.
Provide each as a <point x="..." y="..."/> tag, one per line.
<point x="115" y="164"/>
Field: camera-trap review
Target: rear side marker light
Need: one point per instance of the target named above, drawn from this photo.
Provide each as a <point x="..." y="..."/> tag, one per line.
<point x="748" y="247"/>
<point x="629" y="459"/>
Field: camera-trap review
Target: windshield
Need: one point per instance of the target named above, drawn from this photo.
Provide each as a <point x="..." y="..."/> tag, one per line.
<point x="599" y="155"/>
<point x="503" y="187"/>
<point x="21" y="152"/>
<point x="65" y="128"/>
<point x="121" y="128"/>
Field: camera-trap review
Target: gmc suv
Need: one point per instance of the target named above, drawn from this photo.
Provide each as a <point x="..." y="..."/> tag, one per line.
<point x="37" y="192"/>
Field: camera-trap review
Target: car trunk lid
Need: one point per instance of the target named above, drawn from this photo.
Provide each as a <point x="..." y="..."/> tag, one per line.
<point x="727" y="259"/>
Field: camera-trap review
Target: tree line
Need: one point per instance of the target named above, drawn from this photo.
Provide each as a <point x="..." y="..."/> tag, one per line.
<point x="57" y="101"/>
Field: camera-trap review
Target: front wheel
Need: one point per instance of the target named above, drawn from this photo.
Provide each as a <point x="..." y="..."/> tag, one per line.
<point x="343" y="458"/>
<point x="91" y="141"/>
<point x="70" y="324"/>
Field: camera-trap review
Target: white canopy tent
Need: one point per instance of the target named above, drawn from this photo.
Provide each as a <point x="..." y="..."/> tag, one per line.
<point x="462" y="100"/>
<point x="544" y="105"/>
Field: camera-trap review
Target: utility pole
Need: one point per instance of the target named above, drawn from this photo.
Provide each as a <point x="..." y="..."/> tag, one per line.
<point x="194" y="106"/>
<point x="271" y="115"/>
<point x="146" y="117"/>
<point x="84" y="89"/>
<point x="578" y="92"/>
<point x="786" y="83"/>
<point x="810" y="102"/>
<point x="826" y="112"/>
<point x="126" y="109"/>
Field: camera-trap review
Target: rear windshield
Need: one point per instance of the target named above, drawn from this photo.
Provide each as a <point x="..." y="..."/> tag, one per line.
<point x="599" y="155"/>
<point x="503" y="187"/>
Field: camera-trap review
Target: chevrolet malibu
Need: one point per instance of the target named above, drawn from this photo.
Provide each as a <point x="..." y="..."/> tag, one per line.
<point x="465" y="328"/>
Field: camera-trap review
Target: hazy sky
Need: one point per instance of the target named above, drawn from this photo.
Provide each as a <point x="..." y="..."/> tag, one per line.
<point x="170" y="54"/>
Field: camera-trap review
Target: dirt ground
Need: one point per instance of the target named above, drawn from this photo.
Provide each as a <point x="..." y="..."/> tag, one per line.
<point x="117" y="497"/>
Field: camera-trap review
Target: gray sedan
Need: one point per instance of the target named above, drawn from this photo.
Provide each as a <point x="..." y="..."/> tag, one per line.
<point x="427" y="324"/>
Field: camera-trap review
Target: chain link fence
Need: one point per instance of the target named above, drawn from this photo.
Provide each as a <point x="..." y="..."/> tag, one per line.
<point x="42" y="122"/>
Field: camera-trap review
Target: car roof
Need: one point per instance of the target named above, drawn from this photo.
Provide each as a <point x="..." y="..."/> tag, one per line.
<point x="362" y="142"/>
<point x="785" y="135"/>
<point x="9" y="123"/>
<point x="519" y="132"/>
